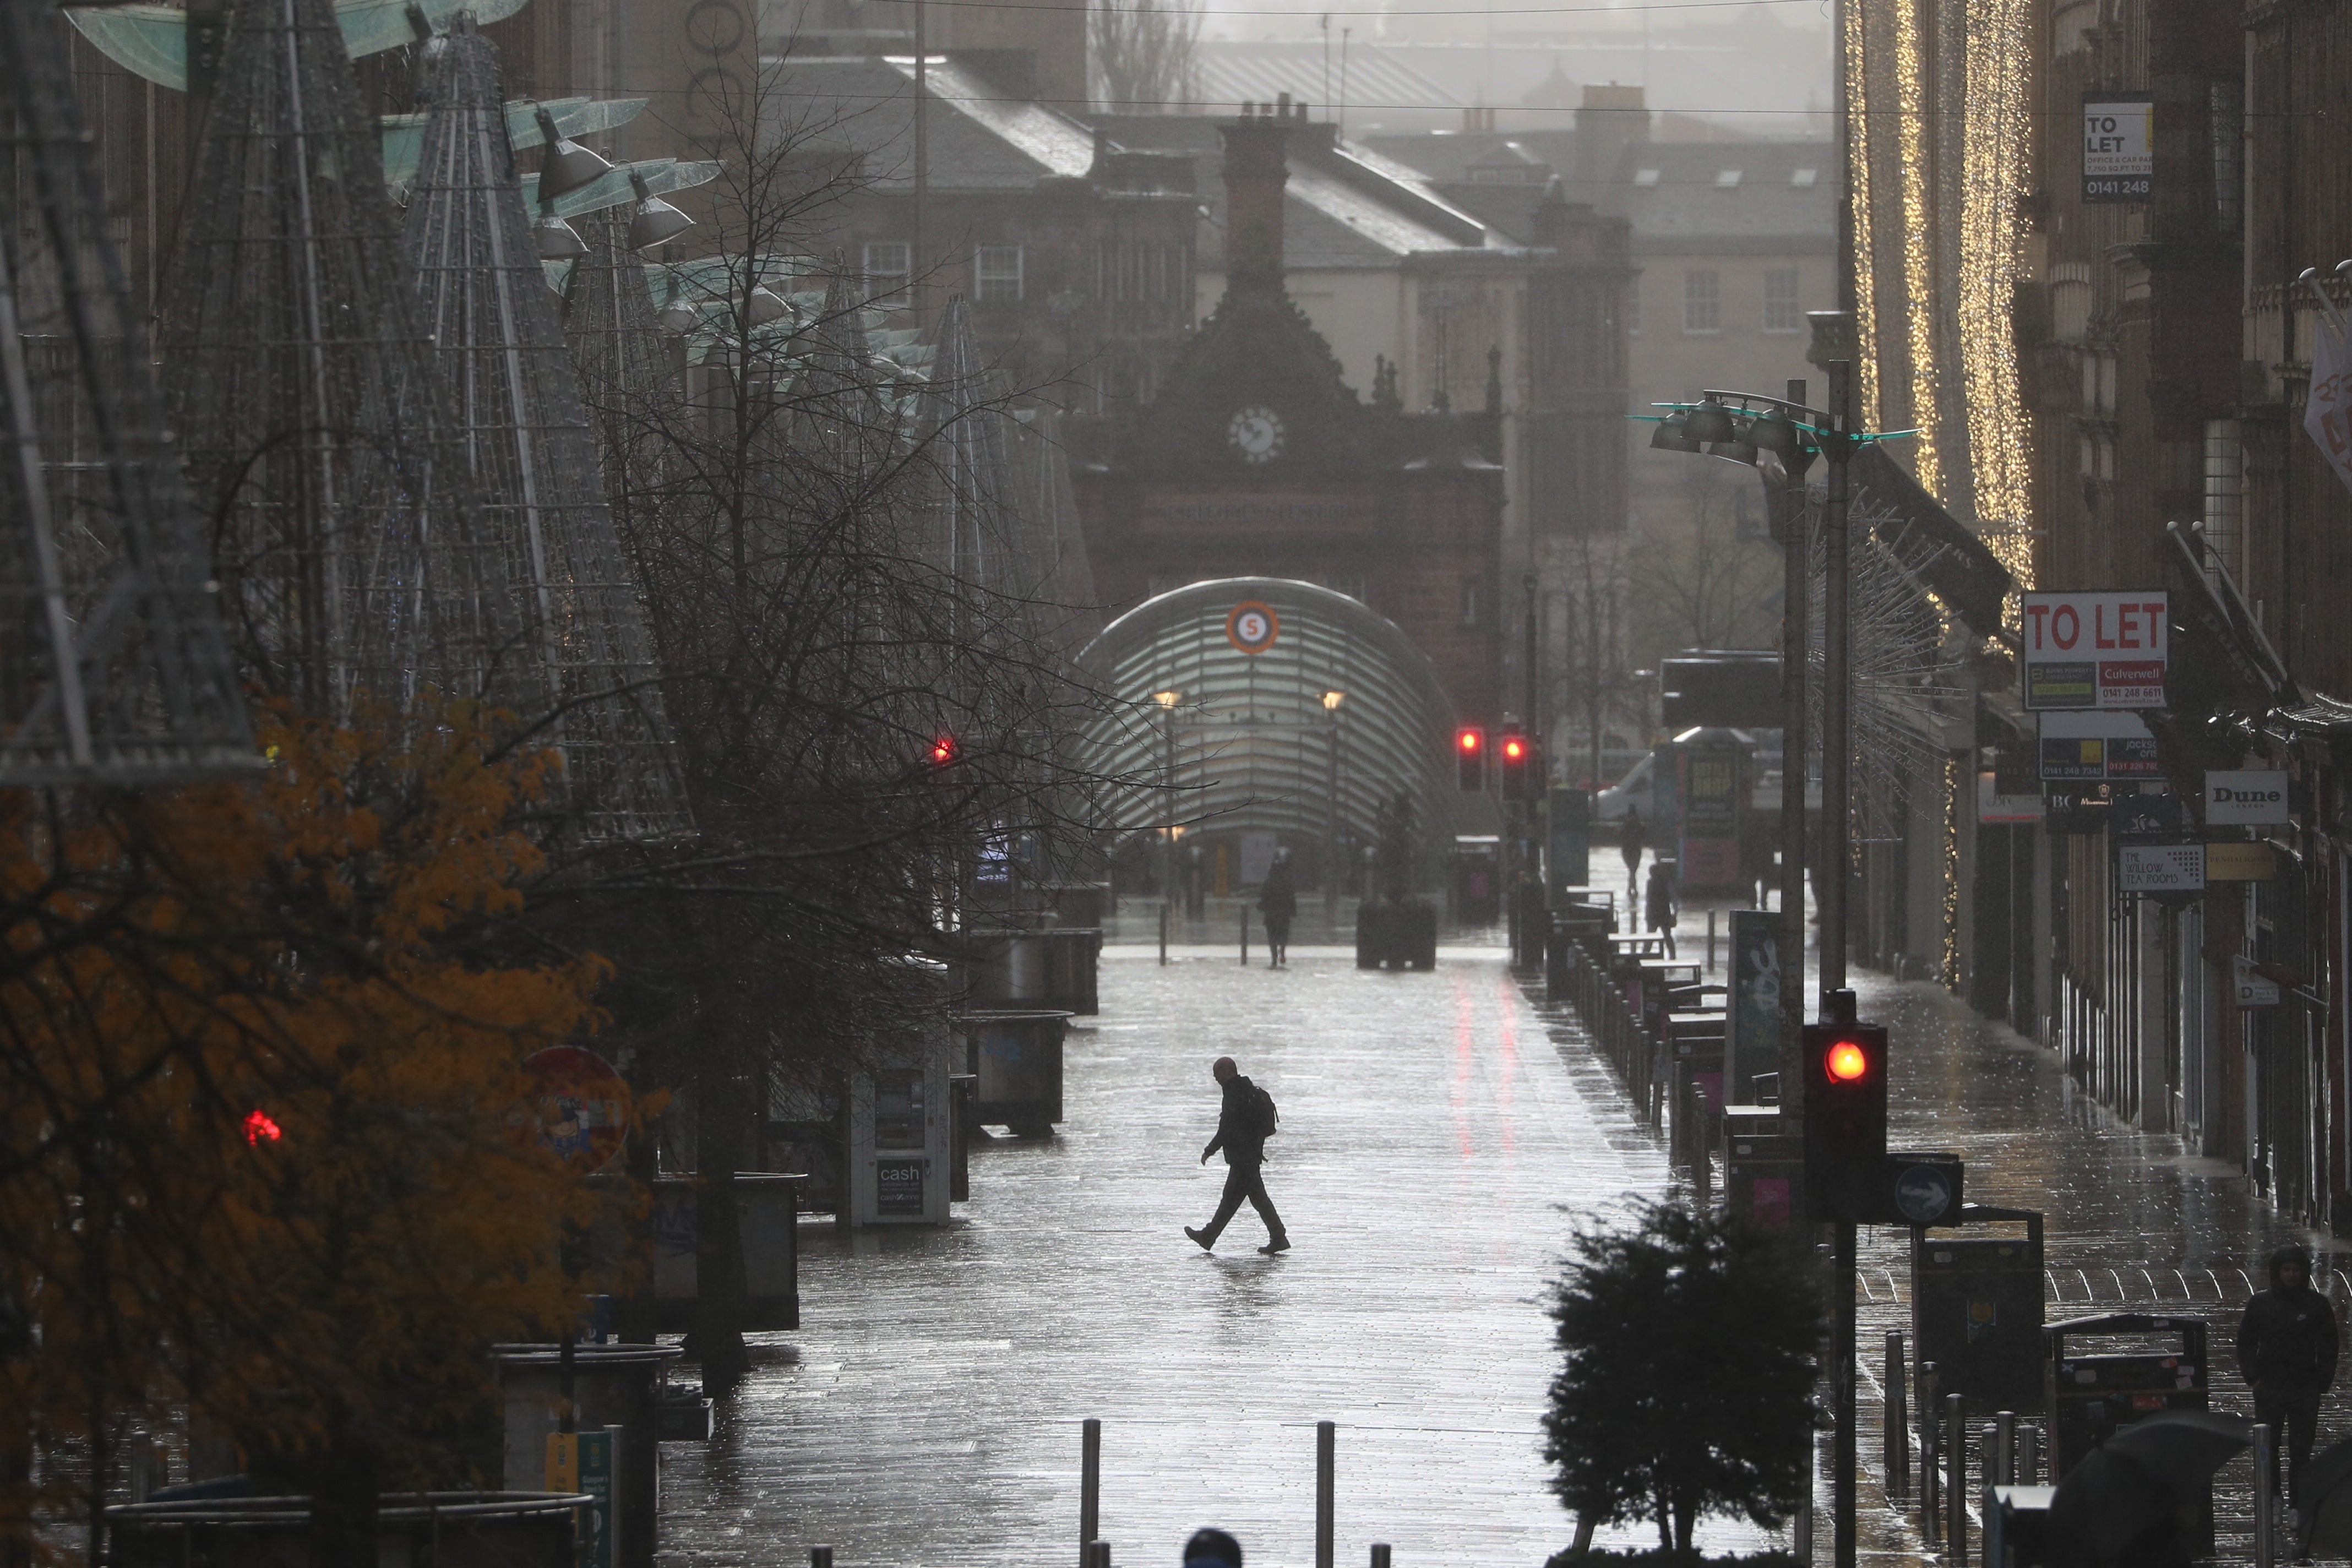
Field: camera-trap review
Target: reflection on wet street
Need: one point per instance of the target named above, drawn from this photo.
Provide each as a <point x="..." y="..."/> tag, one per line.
<point x="1436" y="1148"/>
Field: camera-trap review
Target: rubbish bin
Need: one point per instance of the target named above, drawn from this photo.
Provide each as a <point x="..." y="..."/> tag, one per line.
<point x="1056" y="967"/>
<point x="767" y="1207"/>
<point x="1976" y="1312"/>
<point x="2091" y="1397"/>
<point x="612" y="1386"/>
<point x="437" y="1529"/>
<point x="1017" y="1055"/>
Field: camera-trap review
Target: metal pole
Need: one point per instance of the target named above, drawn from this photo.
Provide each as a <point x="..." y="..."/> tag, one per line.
<point x="2265" y="1549"/>
<point x="1379" y="1554"/>
<point x="1842" y="1457"/>
<point x="2004" y="1450"/>
<point x="1245" y="935"/>
<point x="1956" y="1478"/>
<point x="1710" y="941"/>
<point x="1796" y="637"/>
<point x="1089" y="1484"/>
<point x="915" y="252"/>
<point x="1837" y="675"/>
<point x="2029" y="1456"/>
<point x="1326" y="1439"/>
<point x="1931" y="1477"/>
<point x="1898" y="1421"/>
<point x="820" y="1557"/>
<point x="1163" y="931"/>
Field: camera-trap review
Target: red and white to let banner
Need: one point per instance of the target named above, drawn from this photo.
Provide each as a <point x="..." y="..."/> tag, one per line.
<point x="2096" y="650"/>
<point x="2327" y="415"/>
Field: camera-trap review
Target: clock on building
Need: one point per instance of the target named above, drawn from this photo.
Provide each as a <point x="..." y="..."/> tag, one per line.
<point x="1257" y="434"/>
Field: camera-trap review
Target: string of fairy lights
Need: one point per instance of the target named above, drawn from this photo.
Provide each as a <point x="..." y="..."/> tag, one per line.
<point x="1916" y="235"/>
<point x="1993" y="153"/>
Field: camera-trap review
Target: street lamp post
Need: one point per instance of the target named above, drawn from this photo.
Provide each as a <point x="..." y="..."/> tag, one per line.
<point x="1168" y="701"/>
<point x="1331" y="701"/>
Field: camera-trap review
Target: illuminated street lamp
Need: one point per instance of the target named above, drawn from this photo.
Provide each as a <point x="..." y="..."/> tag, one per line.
<point x="1331" y="700"/>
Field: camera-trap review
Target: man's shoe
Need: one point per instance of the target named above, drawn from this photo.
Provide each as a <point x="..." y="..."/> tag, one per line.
<point x="1203" y="1240"/>
<point x="1279" y="1244"/>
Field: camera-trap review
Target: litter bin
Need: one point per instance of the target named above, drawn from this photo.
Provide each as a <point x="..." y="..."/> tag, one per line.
<point x="1976" y="1312"/>
<point x="1017" y="1055"/>
<point x="1056" y="968"/>
<point x="767" y="1205"/>
<point x="612" y="1386"/>
<point x="436" y="1530"/>
<point x="2091" y="1397"/>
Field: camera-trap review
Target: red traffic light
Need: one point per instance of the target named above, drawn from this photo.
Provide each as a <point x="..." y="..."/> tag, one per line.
<point x="1515" y="749"/>
<point x="1847" y="1061"/>
<point x="1470" y="759"/>
<point x="261" y="1128"/>
<point x="1470" y="741"/>
<point x="944" y="751"/>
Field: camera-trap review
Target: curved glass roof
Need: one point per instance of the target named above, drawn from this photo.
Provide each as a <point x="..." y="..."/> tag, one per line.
<point x="1249" y="739"/>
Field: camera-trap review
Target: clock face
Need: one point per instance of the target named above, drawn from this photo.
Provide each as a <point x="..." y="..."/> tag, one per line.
<point x="1257" y="434"/>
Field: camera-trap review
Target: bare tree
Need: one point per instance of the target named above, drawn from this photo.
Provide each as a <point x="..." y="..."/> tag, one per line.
<point x="1143" y="53"/>
<point x="1709" y="579"/>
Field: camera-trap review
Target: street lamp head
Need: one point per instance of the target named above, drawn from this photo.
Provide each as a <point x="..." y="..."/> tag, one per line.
<point x="1672" y="435"/>
<point x="1773" y="431"/>
<point x="1167" y="699"/>
<point x="1331" y="700"/>
<point x="1734" y="450"/>
<point x="1710" y="422"/>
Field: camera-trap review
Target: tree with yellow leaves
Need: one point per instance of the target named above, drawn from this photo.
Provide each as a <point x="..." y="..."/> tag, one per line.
<point x="261" y="1157"/>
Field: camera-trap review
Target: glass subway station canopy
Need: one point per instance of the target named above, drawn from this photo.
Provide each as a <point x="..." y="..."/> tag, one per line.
<point x="1335" y="713"/>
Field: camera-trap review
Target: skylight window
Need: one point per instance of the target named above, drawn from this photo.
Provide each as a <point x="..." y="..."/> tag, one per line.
<point x="1803" y="178"/>
<point x="1728" y="178"/>
<point x="1645" y="177"/>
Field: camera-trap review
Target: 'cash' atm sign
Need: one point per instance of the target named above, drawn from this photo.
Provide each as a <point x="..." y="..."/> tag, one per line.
<point x="2096" y="650"/>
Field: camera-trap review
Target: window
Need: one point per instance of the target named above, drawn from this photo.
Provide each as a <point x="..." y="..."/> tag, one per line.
<point x="1725" y="179"/>
<point x="2225" y="100"/>
<point x="888" y="264"/>
<point x="1702" y="303"/>
<point x="1803" y="179"/>
<point x="996" y="272"/>
<point x="1781" y="311"/>
<point x="2070" y="300"/>
<point x="1469" y="602"/>
<point x="1645" y="177"/>
<point x="2225" y="491"/>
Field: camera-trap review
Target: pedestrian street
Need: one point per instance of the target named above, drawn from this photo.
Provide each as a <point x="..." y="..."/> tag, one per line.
<point x="1436" y="1148"/>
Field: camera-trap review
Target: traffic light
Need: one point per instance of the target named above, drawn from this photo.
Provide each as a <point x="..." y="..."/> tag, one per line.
<point x="944" y="751"/>
<point x="1518" y="766"/>
<point x="1846" y="1117"/>
<point x="260" y="1126"/>
<point x="1470" y="759"/>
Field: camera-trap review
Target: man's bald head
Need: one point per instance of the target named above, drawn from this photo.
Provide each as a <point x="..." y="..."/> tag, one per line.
<point x="1224" y="1070"/>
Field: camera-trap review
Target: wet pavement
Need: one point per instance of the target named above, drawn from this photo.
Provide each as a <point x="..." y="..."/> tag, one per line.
<point x="1436" y="1149"/>
<point x="1440" y="1136"/>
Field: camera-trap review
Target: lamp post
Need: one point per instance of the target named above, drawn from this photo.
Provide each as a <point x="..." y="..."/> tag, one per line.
<point x="1331" y="701"/>
<point x="1168" y="701"/>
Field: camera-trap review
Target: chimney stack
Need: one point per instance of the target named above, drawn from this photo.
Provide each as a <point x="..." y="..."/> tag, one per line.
<point x="1256" y="167"/>
<point x="1609" y="120"/>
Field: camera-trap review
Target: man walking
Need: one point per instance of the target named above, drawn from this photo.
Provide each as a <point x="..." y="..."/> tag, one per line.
<point x="1244" y="1124"/>
<point x="2286" y="1353"/>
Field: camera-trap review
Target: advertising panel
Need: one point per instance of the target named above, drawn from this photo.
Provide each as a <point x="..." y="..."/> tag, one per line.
<point x="2096" y="650"/>
<point x="2160" y="867"/>
<point x="2245" y="797"/>
<point x="2118" y="148"/>
<point x="2088" y="746"/>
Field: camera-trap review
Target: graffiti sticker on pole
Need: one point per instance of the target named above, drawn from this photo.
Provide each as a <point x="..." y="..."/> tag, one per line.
<point x="2096" y="650"/>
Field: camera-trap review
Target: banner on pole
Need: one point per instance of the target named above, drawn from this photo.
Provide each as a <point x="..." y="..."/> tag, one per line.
<point x="2327" y="413"/>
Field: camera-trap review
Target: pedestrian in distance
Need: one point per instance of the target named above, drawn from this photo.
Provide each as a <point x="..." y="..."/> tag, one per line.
<point x="1630" y="845"/>
<point x="2286" y="1353"/>
<point x="1213" y="1547"/>
<point x="1245" y="1123"/>
<point x="1278" y="899"/>
<point x="1659" y="907"/>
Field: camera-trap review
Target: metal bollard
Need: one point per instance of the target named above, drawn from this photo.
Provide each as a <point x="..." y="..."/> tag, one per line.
<point x="1956" y="1478"/>
<point x="1090" y="1487"/>
<point x="1163" y="933"/>
<point x="2265" y="1549"/>
<point x="1710" y="941"/>
<point x="1245" y="936"/>
<point x="1098" y="1554"/>
<point x="1379" y="1554"/>
<point x="2004" y="1450"/>
<point x="1898" y="1422"/>
<point x="820" y="1557"/>
<point x="1325" y="1442"/>
<point x="2028" y="1455"/>
<point x="1931" y="1475"/>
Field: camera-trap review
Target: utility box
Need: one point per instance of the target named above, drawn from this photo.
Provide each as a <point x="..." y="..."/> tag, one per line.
<point x="1053" y="967"/>
<point x="2089" y="1398"/>
<point x="1763" y="1173"/>
<point x="767" y="1209"/>
<point x="1017" y="1055"/>
<point x="612" y="1386"/>
<point x="1475" y="875"/>
<point x="902" y="1137"/>
<point x="1976" y="1312"/>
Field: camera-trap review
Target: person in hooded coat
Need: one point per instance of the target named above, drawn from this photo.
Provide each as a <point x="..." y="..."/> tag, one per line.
<point x="2286" y="1353"/>
<point x="1277" y="899"/>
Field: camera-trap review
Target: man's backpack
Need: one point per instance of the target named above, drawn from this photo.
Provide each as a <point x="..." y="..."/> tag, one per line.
<point x="1266" y="1121"/>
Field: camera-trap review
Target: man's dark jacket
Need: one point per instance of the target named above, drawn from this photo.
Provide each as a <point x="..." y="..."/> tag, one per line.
<point x="1238" y="1134"/>
<point x="2287" y="1338"/>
